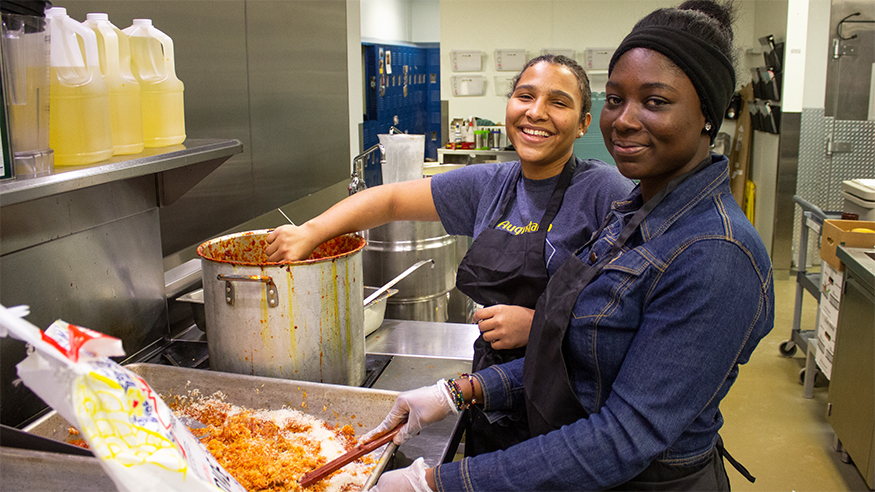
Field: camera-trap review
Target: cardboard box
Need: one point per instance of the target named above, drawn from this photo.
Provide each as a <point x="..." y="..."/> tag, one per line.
<point x="826" y="334"/>
<point x="831" y="284"/>
<point x="829" y="309"/>
<point x="836" y="232"/>
<point x="823" y="358"/>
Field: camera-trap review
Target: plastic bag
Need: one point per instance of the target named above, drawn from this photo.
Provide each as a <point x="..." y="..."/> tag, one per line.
<point x="141" y="444"/>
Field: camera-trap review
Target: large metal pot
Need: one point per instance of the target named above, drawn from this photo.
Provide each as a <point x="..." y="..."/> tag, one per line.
<point x="393" y="247"/>
<point x="301" y="320"/>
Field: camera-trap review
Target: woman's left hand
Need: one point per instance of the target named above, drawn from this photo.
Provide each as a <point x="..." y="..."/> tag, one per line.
<point x="410" y="479"/>
<point x="504" y="326"/>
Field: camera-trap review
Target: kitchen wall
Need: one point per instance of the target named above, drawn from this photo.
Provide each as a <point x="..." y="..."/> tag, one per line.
<point x="516" y="24"/>
<point x="406" y="21"/>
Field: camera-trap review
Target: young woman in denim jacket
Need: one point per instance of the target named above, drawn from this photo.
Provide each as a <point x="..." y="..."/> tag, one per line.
<point x="651" y="319"/>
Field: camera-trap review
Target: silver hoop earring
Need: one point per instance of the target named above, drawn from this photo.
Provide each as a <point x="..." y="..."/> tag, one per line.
<point x="707" y="126"/>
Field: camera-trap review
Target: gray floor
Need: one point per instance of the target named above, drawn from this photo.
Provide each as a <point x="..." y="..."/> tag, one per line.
<point x="783" y="439"/>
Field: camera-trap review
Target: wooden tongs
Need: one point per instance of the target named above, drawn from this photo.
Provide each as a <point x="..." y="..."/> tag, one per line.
<point x="348" y="457"/>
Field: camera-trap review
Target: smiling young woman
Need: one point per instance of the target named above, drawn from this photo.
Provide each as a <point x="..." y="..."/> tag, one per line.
<point x="652" y="121"/>
<point x="546" y="112"/>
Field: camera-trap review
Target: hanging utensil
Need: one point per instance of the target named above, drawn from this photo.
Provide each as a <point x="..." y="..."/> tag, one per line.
<point x="397" y="279"/>
<point x="284" y="215"/>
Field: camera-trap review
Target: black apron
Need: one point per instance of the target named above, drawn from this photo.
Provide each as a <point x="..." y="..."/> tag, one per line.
<point x="550" y="399"/>
<point x="502" y="268"/>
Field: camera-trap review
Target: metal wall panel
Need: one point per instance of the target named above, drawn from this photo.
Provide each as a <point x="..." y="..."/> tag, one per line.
<point x="850" y="62"/>
<point x="298" y="88"/>
<point x="111" y="280"/>
<point x="272" y="74"/>
<point x="785" y="186"/>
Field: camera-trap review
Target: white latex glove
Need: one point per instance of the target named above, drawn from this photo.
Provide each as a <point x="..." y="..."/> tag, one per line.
<point x="410" y="479"/>
<point x="420" y="407"/>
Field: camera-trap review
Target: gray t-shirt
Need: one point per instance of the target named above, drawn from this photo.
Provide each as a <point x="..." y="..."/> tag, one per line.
<point x="467" y="198"/>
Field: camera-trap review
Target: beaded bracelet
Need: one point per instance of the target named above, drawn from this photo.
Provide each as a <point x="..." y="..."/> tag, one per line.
<point x="456" y="394"/>
<point x="470" y="379"/>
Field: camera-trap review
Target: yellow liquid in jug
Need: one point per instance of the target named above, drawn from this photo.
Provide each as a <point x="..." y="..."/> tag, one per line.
<point x="126" y="119"/>
<point x="125" y="114"/>
<point x="163" y="116"/>
<point x="79" y="127"/>
<point x="161" y="93"/>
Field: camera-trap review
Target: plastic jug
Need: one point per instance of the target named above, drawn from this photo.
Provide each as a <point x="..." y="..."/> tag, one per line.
<point x="79" y="128"/>
<point x="161" y="92"/>
<point x="25" y="47"/>
<point x="125" y="113"/>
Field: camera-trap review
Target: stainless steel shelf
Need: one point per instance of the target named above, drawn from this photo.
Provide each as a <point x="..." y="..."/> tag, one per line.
<point x="202" y="156"/>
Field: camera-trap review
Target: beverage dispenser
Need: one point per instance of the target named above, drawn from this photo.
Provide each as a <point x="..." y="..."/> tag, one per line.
<point x="25" y="46"/>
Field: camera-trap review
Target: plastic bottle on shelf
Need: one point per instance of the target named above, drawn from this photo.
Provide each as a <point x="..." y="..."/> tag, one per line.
<point x="153" y="66"/>
<point x="469" y="134"/>
<point x="125" y="113"/>
<point x="457" y="136"/>
<point x="79" y="126"/>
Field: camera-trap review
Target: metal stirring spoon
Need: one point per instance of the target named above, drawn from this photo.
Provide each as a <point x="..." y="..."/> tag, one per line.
<point x="286" y="216"/>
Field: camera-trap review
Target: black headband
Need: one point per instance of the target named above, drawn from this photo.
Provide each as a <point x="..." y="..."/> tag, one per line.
<point x="709" y="70"/>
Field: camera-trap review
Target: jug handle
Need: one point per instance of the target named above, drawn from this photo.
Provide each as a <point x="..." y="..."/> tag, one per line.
<point x="167" y="45"/>
<point x="91" y="59"/>
<point x="112" y="49"/>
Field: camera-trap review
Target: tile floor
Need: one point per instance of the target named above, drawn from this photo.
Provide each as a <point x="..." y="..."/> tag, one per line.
<point x="783" y="439"/>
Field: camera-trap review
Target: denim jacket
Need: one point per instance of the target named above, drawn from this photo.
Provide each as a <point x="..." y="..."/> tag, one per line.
<point x="653" y="346"/>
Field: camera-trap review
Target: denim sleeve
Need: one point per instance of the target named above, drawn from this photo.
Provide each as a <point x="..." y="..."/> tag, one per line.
<point x="705" y="313"/>
<point x="502" y="387"/>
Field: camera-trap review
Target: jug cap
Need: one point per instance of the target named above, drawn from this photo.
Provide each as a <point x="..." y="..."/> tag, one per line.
<point x="97" y="16"/>
<point x="56" y="11"/>
<point x="142" y="22"/>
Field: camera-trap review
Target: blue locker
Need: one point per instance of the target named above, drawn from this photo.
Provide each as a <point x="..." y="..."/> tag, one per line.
<point x="417" y="107"/>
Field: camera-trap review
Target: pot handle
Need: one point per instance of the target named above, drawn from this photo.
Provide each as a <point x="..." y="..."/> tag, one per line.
<point x="269" y="287"/>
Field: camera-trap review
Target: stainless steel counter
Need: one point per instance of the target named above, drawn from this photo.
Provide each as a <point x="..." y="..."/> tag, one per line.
<point x="860" y="260"/>
<point x="423" y="339"/>
<point x="424" y="352"/>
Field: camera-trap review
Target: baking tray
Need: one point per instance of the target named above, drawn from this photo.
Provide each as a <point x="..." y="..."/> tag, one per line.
<point x="362" y="408"/>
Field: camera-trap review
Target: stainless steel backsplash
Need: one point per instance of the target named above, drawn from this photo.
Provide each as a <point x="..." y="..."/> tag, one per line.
<point x="272" y="74"/>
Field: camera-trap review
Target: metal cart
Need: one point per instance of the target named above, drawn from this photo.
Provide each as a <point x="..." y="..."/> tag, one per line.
<point x="812" y="220"/>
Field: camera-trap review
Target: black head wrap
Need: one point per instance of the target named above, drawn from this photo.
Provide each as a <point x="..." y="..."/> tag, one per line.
<point x="710" y="71"/>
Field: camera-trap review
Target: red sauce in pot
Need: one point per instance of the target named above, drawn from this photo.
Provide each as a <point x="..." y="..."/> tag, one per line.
<point x="247" y="248"/>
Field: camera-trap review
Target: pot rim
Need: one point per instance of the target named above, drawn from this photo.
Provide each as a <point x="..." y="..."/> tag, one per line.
<point x="308" y="261"/>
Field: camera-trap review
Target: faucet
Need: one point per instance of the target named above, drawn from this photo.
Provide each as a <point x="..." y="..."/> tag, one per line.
<point x="357" y="183"/>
